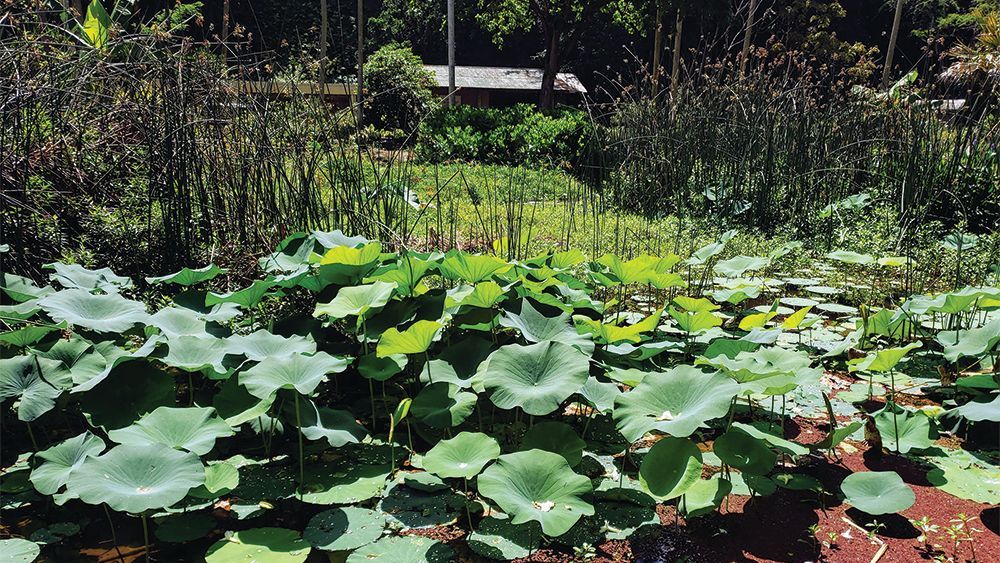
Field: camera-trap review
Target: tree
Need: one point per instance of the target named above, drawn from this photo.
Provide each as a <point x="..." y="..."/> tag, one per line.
<point x="399" y="89"/>
<point x="561" y="23"/>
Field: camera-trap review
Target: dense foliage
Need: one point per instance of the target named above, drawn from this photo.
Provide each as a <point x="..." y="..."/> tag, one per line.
<point x="398" y="89"/>
<point x="516" y="135"/>
<point x="553" y="401"/>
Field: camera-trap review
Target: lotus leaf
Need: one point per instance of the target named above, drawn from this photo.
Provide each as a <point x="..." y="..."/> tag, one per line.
<point x="670" y="467"/>
<point x="555" y="437"/>
<point x="188" y="276"/>
<point x="296" y="371"/>
<point x="443" y="405"/>
<point x="403" y="548"/>
<point x="356" y="300"/>
<point x="36" y="382"/>
<point x="877" y="492"/>
<point x="273" y="545"/>
<point x="100" y="313"/>
<point x="744" y="452"/>
<point x="414" y="340"/>
<point x="341" y="529"/>
<point x="463" y="456"/>
<point x="536" y="378"/>
<point x="193" y="429"/>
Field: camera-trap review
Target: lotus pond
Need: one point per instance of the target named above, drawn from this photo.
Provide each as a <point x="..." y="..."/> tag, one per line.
<point x="354" y="404"/>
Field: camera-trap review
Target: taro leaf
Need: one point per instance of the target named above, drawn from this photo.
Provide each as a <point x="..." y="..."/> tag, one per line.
<point x="36" y="390"/>
<point x="372" y="366"/>
<point x="17" y="550"/>
<point x="670" y="467"/>
<point x="334" y="484"/>
<point x="499" y="539"/>
<point x="191" y="428"/>
<point x="96" y="25"/>
<point x="337" y="427"/>
<point x="540" y="486"/>
<point x="220" y="478"/>
<point x="537" y="327"/>
<point x="62" y="459"/>
<point x="356" y="300"/>
<point x="75" y="276"/>
<point x="188" y="276"/>
<point x="343" y="529"/>
<point x="184" y="528"/>
<point x="882" y="360"/>
<point x="704" y="496"/>
<point x="178" y="321"/>
<point x="403" y="548"/>
<point x="261" y="345"/>
<point x="536" y="378"/>
<point x="746" y="453"/>
<point x="414" y="340"/>
<point x="247" y="298"/>
<point x="849" y="257"/>
<point x="738" y="265"/>
<point x="100" y="313"/>
<point x="877" y="492"/>
<point x="22" y="289"/>
<point x="472" y="268"/>
<point x="137" y="478"/>
<point x="273" y="545"/>
<point x="131" y="390"/>
<point x="978" y="411"/>
<point x="236" y="405"/>
<point x="555" y="437"/>
<point x="915" y="430"/>
<point x="297" y="371"/>
<point x="463" y="456"/>
<point x="197" y="354"/>
<point x="443" y="405"/>
<point x="676" y="402"/>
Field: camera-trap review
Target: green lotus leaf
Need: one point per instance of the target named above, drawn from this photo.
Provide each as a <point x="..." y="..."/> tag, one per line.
<point x="877" y="492"/>
<point x="337" y="427"/>
<point x="966" y="476"/>
<point x="100" y="313"/>
<point x="798" y="482"/>
<point x="960" y="241"/>
<point x="414" y="340"/>
<point x="704" y="496"/>
<point x="335" y="484"/>
<point x="342" y="529"/>
<point x="261" y="345"/>
<point x="407" y="507"/>
<point x="79" y="358"/>
<point x="443" y="405"/>
<point x="28" y="335"/>
<point x="247" y="298"/>
<point x="197" y="354"/>
<point x="537" y="327"/>
<point x="136" y="478"/>
<point x="11" y="314"/>
<point x="114" y="357"/>
<point x="297" y="371"/>
<point x="739" y="265"/>
<point x="22" y="289"/>
<point x="641" y="269"/>
<point x="75" y="276"/>
<point x="184" y="528"/>
<point x="746" y="453"/>
<point x="670" y="467"/>
<point x="424" y="481"/>
<point x="406" y="273"/>
<point x="131" y="390"/>
<point x="273" y="545"/>
<point x="220" y="478"/>
<point x="347" y="265"/>
<point x="695" y="322"/>
<point x="882" y="360"/>
<point x="356" y="300"/>
<point x="499" y="539"/>
<point x="976" y="342"/>
<point x="709" y="251"/>
<point x="62" y="459"/>
<point x="849" y="257"/>
<point x="188" y="276"/>
<point x="17" y="550"/>
<point x="403" y="548"/>
<point x="676" y="402"/>
<point x="372" y="366"/>
<point x="35" y="390"/>
<point x="600" y="394"/>
<point x="483" y="295"/>
<point x="978" y="411"/>
<point x="236" y="405"/>
<point x="537" y="485"/>
<point x="776" y="442"/>
<point x="610" y="333"/>
<point x="555" y="437"/>
<point x="536" y="378"/>
<point x="194" y="300"/>
<point x="914" y="429"/>
<point x="178" y="321"/>
<point x="472" y="268"/>
<point x="463" y="456"/>
<point x="190" y="428"/>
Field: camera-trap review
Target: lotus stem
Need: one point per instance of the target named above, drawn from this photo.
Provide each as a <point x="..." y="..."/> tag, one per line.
<point x="114" y="534"/>
<point x="892" y="403"/>
<point x="302" y="458"/>
<point x="145" y="536"/>
<point x="468" y="511"/>
<point x="31" y="436"/>
<point x="371" y="393"/>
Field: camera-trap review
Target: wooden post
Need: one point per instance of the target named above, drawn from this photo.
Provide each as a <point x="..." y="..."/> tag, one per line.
<point x="361" y="61"/>
<point x="657" y="50"/>
<point x="892" y="44"/>
<point x="747" y="37"/>
<point x="451" y="53"/>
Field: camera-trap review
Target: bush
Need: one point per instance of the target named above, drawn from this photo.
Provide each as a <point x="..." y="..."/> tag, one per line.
<point x="516" y="135"/>
<point x="398" y="89"/>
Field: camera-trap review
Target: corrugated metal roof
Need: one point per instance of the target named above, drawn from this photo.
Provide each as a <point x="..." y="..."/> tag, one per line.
<point x="504" y="78"/>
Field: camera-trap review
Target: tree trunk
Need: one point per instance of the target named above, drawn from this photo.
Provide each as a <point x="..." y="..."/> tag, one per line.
<point x="323" y="35"/>
<point x="225" y="20"/>
<point x="747" y="37"/>
<point x="547" y="99"/>
<point x="892" y="44"/>
<point x="657" y="50"/>
<point x="675" y="68"/>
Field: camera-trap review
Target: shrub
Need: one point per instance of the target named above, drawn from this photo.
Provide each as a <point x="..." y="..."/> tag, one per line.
<point x="398" y="89"/>
<point x="516" y="135"/>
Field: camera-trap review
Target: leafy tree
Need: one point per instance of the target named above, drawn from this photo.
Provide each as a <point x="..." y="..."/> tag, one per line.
<point x="399" y="88"/>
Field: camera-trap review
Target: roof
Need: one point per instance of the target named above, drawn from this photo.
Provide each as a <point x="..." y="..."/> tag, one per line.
<point x="504" y="78"/>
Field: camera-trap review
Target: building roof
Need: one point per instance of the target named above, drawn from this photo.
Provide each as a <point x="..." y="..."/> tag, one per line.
<point x="504" y="78"/>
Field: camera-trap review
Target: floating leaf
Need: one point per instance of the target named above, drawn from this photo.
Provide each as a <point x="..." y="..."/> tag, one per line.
<point x="17" y="550"/>
<point x="403" y="548"/>
<point x="273" y="545"/>
<point x="499" y="539"/>
<point x="342" y="529"/>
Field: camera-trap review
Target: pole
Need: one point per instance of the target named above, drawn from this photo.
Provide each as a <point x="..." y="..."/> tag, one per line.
<point x="892" y="44"/>
<point x="451" y="53"/>
<point x="323" y="34"/>
<point x="657" y="50"/>
<point x="747" y="36"/>
<point x="361" y="61"/>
